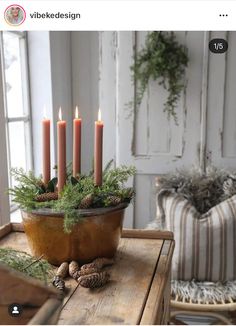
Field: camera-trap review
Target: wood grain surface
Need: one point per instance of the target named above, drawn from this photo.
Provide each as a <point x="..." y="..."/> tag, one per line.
<point x="155" y="307"/>
<point x="147" y="234"/>
<point x="139" y="288"/>
<point x="122" y="300"/>
<point x="18" y="241"/>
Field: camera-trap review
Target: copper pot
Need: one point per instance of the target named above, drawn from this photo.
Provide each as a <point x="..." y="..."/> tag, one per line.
<point x="96" y="235"/>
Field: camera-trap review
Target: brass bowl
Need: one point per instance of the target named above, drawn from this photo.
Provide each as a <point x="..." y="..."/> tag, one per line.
<point x="96" y="235"/>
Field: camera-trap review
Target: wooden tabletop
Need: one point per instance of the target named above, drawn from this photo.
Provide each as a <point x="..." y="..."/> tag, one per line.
<point x="138" y="279"/>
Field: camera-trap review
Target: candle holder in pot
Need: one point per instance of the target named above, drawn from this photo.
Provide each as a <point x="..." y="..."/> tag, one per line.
<point x="96" y="234"/>
<point x="83" y="222"/>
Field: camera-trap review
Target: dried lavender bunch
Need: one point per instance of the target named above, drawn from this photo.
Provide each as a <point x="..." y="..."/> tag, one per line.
<point x="203" y="189"/>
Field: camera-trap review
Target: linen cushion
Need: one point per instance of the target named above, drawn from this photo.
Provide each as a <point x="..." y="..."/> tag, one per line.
<point x="205" y="245"/>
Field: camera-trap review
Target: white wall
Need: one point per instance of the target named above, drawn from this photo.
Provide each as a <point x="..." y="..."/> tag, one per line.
<point x="40" y="90"/>
<point x="50" y="85"/>
<point x="61" y="68"/>
<point x="85" y="77"/>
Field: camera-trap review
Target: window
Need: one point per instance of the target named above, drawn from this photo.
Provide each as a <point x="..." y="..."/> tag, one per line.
<point x="17" y="104"/>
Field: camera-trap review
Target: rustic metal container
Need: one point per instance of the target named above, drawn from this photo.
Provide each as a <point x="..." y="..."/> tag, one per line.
<point x="97" y="235"/>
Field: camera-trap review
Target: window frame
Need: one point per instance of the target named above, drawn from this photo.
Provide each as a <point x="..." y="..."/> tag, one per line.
<point x="26" y="117"/>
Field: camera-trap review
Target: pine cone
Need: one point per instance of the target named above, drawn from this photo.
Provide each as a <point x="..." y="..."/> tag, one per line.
<point x="58" y="283"/>
<point x="113" y="200"/>
<point x="63" y="270"/>
<point x="128" y="194"/>
<point x="98" y="264"/>
<point x="87" y="271"/>
<point x="74" y="269"/>
<point x="94" y="280"/>
<point x="47" y="196"/>
<point x="86" y="202"/>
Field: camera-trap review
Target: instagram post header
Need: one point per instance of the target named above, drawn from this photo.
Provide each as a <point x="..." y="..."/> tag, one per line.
<point x="117" y="162"/>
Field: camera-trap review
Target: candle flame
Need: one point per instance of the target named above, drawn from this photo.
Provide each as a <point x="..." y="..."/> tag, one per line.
<point x="60" y="114"/>
<point x="44" y="112"/>
<point x="99" y="115"/>
<point x="76" y="113"/>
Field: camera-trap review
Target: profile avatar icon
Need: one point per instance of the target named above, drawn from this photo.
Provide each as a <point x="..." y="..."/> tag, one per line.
<point x="15" y="310"/>
<point x="14" y="15"/>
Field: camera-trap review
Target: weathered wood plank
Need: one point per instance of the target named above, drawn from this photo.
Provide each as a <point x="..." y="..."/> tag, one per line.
<point x="131" y="277"/>
<point x="145" y="188"/>
<point x="48" y="314"/>
<point x="147" y="234"/>
<point x="221" y="107"/>
<point x="5" y="229"/>
<point x="166" y="315"/>
<point x="18" y="241"/>
<point x="17" y="227"/>
<point x="229" y="128"/>
<point x="154" y="308"/>
<point x="15" y="240"/>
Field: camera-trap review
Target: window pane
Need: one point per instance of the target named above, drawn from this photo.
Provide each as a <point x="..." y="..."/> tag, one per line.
<point x="17" y="145"/>
<point x="13" y="74"/>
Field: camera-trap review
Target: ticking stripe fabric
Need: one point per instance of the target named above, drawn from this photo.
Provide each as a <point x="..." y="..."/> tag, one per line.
<point x="205" y="245"/>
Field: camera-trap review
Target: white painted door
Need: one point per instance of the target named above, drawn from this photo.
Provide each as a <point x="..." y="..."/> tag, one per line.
<point x="145" y="138"/>
<point x="221" y="121"/>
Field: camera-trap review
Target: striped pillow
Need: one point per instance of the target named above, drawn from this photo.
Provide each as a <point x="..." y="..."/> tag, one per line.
<point x="205" y="245"/>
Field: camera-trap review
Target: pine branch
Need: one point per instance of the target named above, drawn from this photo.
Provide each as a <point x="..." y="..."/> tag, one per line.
<point x="77" y="194"/>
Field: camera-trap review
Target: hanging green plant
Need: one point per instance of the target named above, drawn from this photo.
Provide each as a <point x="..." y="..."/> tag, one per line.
<point x="163" y="59"/>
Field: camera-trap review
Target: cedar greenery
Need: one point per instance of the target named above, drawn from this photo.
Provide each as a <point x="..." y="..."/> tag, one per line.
<point x="112" y="192"/>
<point x="163" y="59"/>
<point x="26" y="264"/>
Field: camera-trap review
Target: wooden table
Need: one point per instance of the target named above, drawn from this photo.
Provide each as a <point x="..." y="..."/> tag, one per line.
<point x="139" y="289"/>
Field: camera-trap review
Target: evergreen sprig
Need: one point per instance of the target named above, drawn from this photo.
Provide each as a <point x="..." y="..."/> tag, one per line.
<point x="113" y="185"/>
<point x="26" y="264"/>
<point x="75" y="191"/>
<point x="163" y="59"/>
<point x="28" y="186"/>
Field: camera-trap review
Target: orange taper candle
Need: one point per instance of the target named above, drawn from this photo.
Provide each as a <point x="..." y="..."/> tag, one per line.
<point x="76" y="144"/>
<point x="46" y="149"/>
<point x="61" y="152"/>
<point x="98" y="150"/>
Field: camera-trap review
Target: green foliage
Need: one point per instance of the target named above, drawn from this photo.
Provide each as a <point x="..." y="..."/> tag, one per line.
<point x="165" y="59"/>
<point x="26" y="189"/>
<point x="51" y="187"/>
<point x="113" y="184"/>
<point x="27" y="264"/>
<point x="74" y="192"/>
